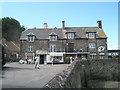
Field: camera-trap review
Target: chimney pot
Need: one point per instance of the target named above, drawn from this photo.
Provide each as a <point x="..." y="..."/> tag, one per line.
<point x="99" y="24"/>
<point x="63" y="24"/>
<point x="45" y="25"/>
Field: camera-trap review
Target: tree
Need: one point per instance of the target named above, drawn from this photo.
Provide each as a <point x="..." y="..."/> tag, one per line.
<point x="11" y="29"/>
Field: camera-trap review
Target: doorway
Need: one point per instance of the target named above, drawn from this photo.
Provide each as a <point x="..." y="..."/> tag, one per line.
<point x="41" y="59"/>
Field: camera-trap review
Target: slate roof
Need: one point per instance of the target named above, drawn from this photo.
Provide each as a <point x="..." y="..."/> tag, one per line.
<point x="11" y="46"/>
<point x="79" y="31"/>
<point x="42" y="33"/>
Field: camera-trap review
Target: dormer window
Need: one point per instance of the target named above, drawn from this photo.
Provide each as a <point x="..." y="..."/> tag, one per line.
<point x="53" y="36"/>
<point x="31" y="37"/>
<point x="91" y="34"/>
<point x="70" y="35"/>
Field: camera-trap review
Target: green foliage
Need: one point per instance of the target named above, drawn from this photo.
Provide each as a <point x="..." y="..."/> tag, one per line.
<point x="115" y="56"/>
<point x="11" y="29"/>
<point x="67" y="60"/>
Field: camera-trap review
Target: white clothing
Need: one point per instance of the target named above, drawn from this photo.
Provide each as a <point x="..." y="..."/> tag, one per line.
<point x="71" y="59"/>
<point x="37" y="59"/>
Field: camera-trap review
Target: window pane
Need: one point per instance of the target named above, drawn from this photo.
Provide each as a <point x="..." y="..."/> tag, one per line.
<point x="91" y="45"/>
<point x="70" y="35"/>
<point x="30" y="38"/>
<point x="30" y="48"/>
<point x="52" y="48"/>
<point x="53" y="38"/>
<point x="91" y="35"/>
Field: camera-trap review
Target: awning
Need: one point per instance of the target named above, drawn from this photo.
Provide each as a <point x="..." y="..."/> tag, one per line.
<point x="29" y="54"/>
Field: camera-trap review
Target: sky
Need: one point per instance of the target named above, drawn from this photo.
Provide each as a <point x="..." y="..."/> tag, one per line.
<point x="75" y="14"/>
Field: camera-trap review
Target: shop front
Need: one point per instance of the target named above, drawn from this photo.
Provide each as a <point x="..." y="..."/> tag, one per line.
<point x="29" y="56"/>
<point x="55" y="57"/>
<point x="77" y="55"/>
<point x="43" y="56"/>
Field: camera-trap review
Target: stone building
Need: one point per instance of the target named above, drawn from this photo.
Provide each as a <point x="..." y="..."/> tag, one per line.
<point x="11" y="50"/>
<point x="57" y="43"/>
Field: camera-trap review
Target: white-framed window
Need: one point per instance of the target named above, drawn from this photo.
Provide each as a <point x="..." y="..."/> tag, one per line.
<point x="30" y="38"/>
<point x="93" y="56"/>
<point x="53" y="38"/>
<point x="91" y="45"/>
<point x="30" y="48"/>
<point x="101" y="56"/>
<point x="52" y="48"/>
<point x="70" y="35"/>
<point x="91" y="35"/>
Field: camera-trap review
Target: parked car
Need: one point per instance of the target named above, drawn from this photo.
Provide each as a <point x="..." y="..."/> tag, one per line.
<point x="30" y="61"/>
<point x="21" y="61"/>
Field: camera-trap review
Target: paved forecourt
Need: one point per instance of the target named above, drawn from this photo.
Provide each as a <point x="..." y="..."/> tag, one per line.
<point x="17" y="75"/>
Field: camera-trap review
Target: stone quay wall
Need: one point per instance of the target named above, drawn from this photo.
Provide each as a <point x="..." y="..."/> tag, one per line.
<point x="80" y="72"/>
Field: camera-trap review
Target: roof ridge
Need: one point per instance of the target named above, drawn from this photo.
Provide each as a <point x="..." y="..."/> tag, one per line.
<point x="43" y="28"/>
<point x="81" y="27"/>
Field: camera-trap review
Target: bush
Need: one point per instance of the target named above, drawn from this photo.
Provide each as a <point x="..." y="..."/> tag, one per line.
<point x="67" y="60"/>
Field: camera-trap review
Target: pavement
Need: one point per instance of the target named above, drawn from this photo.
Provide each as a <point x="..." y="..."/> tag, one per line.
<point x="15" y="75"/>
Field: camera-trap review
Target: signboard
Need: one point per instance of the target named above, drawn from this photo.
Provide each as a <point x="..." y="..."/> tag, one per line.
<point x="41" y="52"/>
<point x="56" y="54"/>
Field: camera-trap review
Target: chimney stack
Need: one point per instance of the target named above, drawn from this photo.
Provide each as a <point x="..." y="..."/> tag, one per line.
<point x="63" y="24"/>
<point x="45" y="25"/>
<point x="99" y="24"/>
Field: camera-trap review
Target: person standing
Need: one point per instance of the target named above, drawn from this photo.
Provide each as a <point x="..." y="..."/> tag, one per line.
<point x="71" y="59"/>
<point x="37" y="61"/>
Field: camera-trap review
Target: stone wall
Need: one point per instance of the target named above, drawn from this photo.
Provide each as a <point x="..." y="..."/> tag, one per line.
<point x="69" y="78"/>
<point x="106" y="69"/>
<point x="79" y="73"/>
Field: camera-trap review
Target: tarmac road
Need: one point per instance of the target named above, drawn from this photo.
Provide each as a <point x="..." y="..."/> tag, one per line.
<point x="15" y="75"/>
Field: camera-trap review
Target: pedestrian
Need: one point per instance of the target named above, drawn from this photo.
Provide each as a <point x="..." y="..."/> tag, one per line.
<point x="71" y="59"/>
<point x="26" y="60"/>
<point x="37" y="61"/>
